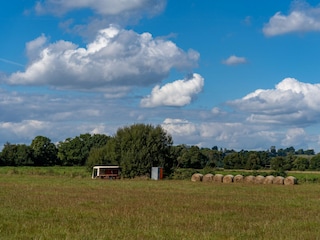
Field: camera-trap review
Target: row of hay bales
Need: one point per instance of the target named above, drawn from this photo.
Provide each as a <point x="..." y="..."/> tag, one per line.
<point x="219" y="178"/>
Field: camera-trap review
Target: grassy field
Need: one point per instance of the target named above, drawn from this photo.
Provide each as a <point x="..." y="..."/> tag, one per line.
<point x="47" y="171"/>
<point x="73" y="206"/>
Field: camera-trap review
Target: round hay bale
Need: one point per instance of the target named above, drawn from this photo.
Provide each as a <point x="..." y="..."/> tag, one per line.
<point x="290" y="180"/>
<point x="278" y="180"/>
<point x="238" y="178"/>
<point x="218" y="178"/>
<point x="259" y="179"/>
<point x="197" y="177"/>
<point x="228" y="178"/>
<point x="207" y="178"/>
<point x="269" y="179"/>
<point x="249" y="179"/>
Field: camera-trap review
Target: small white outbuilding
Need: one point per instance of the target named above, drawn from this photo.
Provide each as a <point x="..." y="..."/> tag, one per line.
<point x="106" y="172"/>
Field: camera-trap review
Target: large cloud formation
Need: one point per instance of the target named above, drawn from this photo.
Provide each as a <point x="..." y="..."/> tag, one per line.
<point x="116" y="60"/>
<point x="302" y="18"/>
<point x="238" y="135"/>
<point x="178" y="93"/>
<point x="282" y="116"/>
<point x="291" y="102"/>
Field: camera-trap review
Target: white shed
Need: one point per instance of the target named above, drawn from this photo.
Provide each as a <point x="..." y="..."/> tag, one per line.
<point x="106" y="172"/>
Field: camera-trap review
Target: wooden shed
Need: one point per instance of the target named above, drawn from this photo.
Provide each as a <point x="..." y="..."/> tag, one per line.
<point x="106" y="172"/>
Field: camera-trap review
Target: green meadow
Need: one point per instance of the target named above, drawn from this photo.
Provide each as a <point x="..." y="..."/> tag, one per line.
<point x="57" y="203"/>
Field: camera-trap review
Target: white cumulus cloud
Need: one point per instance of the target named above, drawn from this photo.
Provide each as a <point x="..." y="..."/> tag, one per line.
<point x="24" y="128"/>
<point x="178" y="93"/>
<point x="295" y="136"/>
<point x="290" y="102"/>
<point x="235" y="135"/>
<point x="179" y="127"/>
<point x="116" y="60"/>
<point x="302" y="18"/>
<point x="234" y="60"/>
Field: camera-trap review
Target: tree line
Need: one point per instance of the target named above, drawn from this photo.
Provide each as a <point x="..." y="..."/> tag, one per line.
<point x="139" y="147"/>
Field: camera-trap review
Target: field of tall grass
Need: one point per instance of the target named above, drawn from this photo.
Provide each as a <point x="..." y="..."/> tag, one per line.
<point x="73" y="206"/>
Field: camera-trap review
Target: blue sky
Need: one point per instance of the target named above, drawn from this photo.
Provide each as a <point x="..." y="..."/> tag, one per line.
<point x="227" y="73"/>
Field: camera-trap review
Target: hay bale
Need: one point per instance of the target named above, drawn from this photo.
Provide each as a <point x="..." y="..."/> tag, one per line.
<point x="268" y="180"/>
<point x="218" y="178"/>
<point x="197" y="177"/>
<point x="290" y="180"/>
<point x="207" y="178"/>
<point x="278" y="180"/>
<point x="238" y="178"/>
<point x="259" y="179"/>
<point x="228" y="178"/>
<point x="249" y="179"/>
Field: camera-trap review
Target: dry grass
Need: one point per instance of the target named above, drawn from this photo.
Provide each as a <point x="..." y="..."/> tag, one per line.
<point x="50" y="207"/>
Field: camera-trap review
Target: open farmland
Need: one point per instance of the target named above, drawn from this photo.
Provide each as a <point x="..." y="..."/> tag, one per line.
<point x="62" y="207"/>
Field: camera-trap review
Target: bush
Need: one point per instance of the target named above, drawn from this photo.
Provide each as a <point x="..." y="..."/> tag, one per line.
<point x="279" y="173"/>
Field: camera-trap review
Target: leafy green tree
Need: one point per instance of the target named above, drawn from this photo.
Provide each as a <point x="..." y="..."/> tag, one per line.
<point x="24" y="155"/>
<point x="175" y="155"/>
<point x="309" y="152"/>
<point x="191" y="157"/>
<point x="281" y="163"/>
<point x="265" y="158"/>
<point x="290" y="158"/>
<point x="106" y="155"/>
<point x="281" y="153"/>
<point x="232" y="160"/>
<point x="300" y="164"/>
<point x="44" y="151"/>
<point x="216" y="158"/>
<point x="141" y="147"/>
<point x="16" y="155"/>
<point x="253" y="161"/>
<point x="75" y="151"/>
<point x="8" y="154"/>
<point x="300" y="152"/>
<point x="273" y="150"/>
<point x="290" y="150"/>
<point x="315" y="162"/>
<point x="211" y="156"/>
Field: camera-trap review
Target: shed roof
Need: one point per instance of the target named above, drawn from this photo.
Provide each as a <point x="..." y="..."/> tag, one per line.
<point x="106" y="167"/>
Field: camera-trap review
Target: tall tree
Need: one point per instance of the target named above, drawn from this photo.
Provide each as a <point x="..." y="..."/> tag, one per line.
<point x="300" y="163"/>
<point x="8" y="154"/>
<point x="141" y="147"/>
<point x="231" y="160"/>
<point x="315" y="162"/>
<point x="24" y="155"/>
<point x="281" y="163"/>
<point x="106" y="155"/>
<point x="75" y="151"/>
<point x="44" y="151"/>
